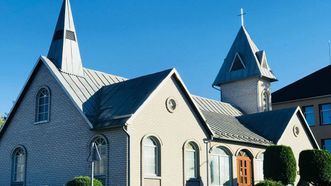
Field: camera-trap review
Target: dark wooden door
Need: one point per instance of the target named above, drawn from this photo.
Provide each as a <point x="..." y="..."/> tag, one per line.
<point x="244" y="171"/>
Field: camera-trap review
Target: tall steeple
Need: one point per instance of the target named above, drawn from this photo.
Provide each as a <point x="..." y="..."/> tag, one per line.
<point x="64" y="50"/>
<point x="245" y="76"/>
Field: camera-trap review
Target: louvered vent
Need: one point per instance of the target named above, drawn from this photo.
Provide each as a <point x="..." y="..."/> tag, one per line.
<point x="70" y="35"/>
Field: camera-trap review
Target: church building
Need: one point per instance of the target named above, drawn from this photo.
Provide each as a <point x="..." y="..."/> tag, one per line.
<point x="149" y="130"/>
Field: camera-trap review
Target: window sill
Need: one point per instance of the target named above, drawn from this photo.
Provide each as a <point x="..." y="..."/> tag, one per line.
<point x="41" y="122"/>
<point x="151" y="177"/>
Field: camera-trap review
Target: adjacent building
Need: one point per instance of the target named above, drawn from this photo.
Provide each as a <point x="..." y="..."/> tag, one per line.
<point x="313" y="94"/>
<point x="149" y="130"/>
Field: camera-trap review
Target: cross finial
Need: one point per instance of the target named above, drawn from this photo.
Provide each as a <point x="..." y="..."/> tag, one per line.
<point x="242" y="13"/>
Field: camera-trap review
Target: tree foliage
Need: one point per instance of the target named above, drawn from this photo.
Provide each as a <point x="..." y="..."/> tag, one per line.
<point x="279" y="164"/>
<point x="83" y="181"/>
<point x="269" y="183"/>
<point x="315" y="166"/>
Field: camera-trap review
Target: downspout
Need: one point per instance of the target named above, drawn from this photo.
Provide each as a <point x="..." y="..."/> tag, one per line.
<point x="128" y="156"/>
<point x="207" y="142"/>
<point x="219" y="89"/>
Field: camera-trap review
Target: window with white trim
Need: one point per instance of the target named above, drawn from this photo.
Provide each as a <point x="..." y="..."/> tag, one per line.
<point x="191" y="161"/>
<point x="18" y="167"/>
<point x="151" y="154"/>
<point x="43" y="105"/>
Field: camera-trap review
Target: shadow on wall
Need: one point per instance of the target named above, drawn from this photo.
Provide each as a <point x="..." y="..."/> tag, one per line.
<point x="194" y="182"/>
<point x="198" y="182"/>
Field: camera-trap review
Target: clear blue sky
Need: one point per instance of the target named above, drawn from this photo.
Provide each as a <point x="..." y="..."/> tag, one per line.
<point x="135" y="37"/>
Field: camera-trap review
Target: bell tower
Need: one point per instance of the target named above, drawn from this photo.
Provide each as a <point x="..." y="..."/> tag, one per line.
<point x="245" y="76"/>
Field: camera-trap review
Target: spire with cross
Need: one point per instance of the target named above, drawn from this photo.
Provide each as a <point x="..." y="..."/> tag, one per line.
<point x="242" y="13"/>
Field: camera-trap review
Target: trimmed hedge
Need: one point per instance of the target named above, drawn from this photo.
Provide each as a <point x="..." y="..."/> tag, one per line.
<point x="279" y="164"/>
<point x="315" y="166"/>
<point x="83" y="181"/>
<point x="269" y="183"/>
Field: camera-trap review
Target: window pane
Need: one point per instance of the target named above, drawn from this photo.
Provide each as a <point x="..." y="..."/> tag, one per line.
<point x="221" y="171"/>
<point x="259" y="167"/>
<point x="42" y="105"/>
<point x="191" y="162"/>
<point x="100" y="167"/>
<point x="151" y="157"/>
<point x="325" y="111"/>
<point x="19" y="165"/>
<point x="214" y="171"/>
<point x="308" y="111"/>
<point x="327" y="144"/>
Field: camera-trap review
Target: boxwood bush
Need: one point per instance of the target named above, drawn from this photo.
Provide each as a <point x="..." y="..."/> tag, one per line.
<point x="279" y="164"/>
<point x="269" y="183"/>
<point x="315" y="167"/>
<point x="83" y="181"/>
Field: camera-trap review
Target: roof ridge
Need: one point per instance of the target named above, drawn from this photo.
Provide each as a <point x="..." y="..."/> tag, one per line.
<point x="98" y="71"/>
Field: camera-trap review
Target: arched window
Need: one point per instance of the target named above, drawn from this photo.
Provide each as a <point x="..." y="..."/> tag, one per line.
<point x="18" y="166"/>
<point x="266" y="100"/>
<point x="101" y="167"/>
<point x="259" y="167"/>
<point x="220" y="167"/>
<point x="152" y="158"/>
<point x="191" y="155"/>
<point x="42" y="107"/>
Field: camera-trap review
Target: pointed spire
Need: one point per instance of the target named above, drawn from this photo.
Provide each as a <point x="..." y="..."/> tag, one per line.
<point x="64" y="50"/>
<point x="253" y="60"/>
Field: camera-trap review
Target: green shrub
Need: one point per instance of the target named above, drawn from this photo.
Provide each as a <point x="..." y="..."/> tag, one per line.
<point x="83" y="181"/>
<point x="269" y="183"/>
<point x="279" y="164"/>
<point x="315" y="166"/>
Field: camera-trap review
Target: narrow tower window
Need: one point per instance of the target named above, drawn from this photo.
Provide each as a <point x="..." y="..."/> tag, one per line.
<point x="266" y="100"/>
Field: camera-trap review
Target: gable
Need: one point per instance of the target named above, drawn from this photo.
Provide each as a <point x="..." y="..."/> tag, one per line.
<point x="298" y="134"/>
<point x="174" y="84"/>
<point x="40" y="65"/>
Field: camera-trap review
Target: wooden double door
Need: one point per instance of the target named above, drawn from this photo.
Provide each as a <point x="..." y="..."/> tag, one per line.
<point x="244" y="171"/>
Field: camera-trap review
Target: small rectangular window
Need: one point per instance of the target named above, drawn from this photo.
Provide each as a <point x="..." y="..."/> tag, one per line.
<point x="326" y="144"/>
<point x="309" y="113"/>
<point x="325" y="114"/>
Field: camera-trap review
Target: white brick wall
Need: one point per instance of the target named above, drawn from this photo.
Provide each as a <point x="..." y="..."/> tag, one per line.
<point x="58" y="150"/>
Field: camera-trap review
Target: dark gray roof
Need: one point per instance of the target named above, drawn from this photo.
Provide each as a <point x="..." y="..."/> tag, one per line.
<point x="254" y="60"/>
<point x="116" y="103"/>
<point x="270" y="125"/>
<point x="313" y="85"/>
